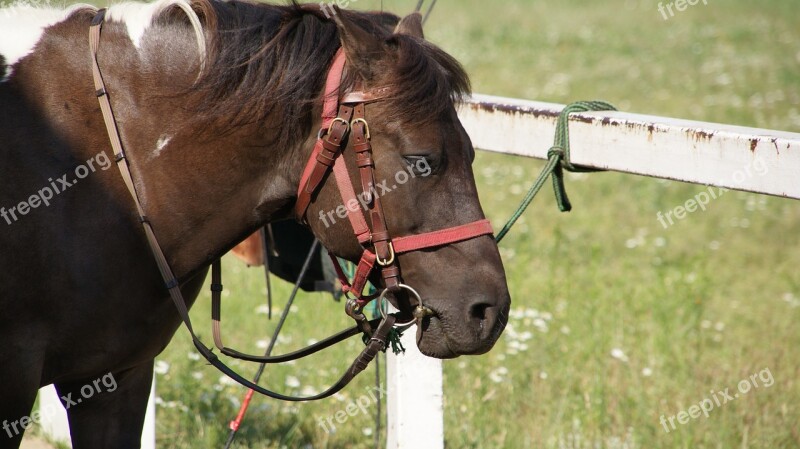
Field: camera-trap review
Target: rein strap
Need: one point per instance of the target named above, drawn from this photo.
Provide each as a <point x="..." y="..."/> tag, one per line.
<point x="379" y="336"/>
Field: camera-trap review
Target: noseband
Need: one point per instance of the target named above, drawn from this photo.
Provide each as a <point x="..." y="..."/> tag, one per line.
<point x="340" y="117"/>
<point x="379" y="248"/>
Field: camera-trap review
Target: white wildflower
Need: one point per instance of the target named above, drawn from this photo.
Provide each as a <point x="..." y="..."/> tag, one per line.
<point x="292" y="382"/>
<point x="619" y="354"/>
<point x="161" y="367"/>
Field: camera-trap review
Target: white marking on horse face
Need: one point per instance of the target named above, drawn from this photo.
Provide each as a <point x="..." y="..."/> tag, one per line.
<point x="163" y="141"/>
<point x="21" y="27"/>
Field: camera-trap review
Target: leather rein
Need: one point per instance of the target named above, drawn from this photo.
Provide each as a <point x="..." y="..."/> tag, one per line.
<point x="342" y="116"/>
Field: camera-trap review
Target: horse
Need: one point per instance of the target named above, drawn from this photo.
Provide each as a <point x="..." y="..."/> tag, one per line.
<point x="219" y="107"/>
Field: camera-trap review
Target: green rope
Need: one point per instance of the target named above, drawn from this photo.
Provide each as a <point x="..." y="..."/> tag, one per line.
<point x="558" y="160"/>
<point x="395" y="343"/>
<point x="392" y="340"/>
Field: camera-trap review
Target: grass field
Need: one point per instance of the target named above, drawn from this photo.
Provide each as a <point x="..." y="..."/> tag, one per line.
<point x="616" y="321"/>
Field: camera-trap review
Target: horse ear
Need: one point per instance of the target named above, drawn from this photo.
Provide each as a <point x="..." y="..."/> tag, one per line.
<point x="411" y="25"/>
<point x="361" y="48"/>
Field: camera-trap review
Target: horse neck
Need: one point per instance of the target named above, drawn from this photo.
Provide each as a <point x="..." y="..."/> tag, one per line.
<point x="204" y="186"/>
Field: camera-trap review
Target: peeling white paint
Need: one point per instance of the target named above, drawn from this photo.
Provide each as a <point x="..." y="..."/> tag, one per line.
<point x="659" y="147"/>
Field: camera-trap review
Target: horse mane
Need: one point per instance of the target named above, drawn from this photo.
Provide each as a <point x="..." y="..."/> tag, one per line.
<point x="268" y="64"/>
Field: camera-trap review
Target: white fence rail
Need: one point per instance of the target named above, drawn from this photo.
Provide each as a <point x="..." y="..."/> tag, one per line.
<point x="683" y="150"/>
<point x="659" y="147"/>
<point x="698" y="152"/>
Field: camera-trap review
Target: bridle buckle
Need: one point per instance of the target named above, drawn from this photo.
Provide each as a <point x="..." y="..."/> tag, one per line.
<point x="338" y="119"/>
<point x="389" y="261"/>
<point x="366" y="126"/>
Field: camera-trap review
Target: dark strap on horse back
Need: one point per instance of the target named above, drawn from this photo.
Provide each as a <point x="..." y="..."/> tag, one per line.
<point x="376" y="343"/>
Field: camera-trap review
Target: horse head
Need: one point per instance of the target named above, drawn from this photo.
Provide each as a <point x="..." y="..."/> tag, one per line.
<point x="422" y="177"/>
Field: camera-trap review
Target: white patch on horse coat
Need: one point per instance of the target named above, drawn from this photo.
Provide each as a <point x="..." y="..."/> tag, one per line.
<point x="139" y="16"/>
<point x="136" y="16"/>
<point x="161" y="144"/>
<point x="21" y="27"/>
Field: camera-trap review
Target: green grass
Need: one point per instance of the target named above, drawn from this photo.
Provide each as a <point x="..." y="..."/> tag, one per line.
<point x="694" y="308"/>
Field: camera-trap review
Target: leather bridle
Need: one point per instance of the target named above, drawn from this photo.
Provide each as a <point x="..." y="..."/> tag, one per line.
<point x="380" y="250"/>
<point x="341" y="116"/>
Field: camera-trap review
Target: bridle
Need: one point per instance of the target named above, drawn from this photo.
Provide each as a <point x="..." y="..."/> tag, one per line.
<point x="341" y="116"/>
<point x="380" y="250"/>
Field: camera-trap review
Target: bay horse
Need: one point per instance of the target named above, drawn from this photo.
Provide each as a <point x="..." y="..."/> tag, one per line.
<point x="218" y="106"/>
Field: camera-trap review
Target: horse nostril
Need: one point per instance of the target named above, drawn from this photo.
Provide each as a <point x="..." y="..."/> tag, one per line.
<point x="478" y="310"/>
<point x="488" y="318"/>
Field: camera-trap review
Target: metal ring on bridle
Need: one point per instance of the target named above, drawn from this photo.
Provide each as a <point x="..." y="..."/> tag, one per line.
<point x="420" y="311"/>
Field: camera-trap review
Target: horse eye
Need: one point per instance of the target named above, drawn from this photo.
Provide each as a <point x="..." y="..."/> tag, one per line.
<point x="420" y="165"/>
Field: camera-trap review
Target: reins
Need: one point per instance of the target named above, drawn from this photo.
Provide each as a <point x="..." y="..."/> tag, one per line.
<point x="343" y="122"/>
<point x="379" y="329"/>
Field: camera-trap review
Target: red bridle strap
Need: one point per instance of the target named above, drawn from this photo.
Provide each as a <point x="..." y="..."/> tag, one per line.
<point x="442" y="237"/>
<point x="313" y="172"/>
